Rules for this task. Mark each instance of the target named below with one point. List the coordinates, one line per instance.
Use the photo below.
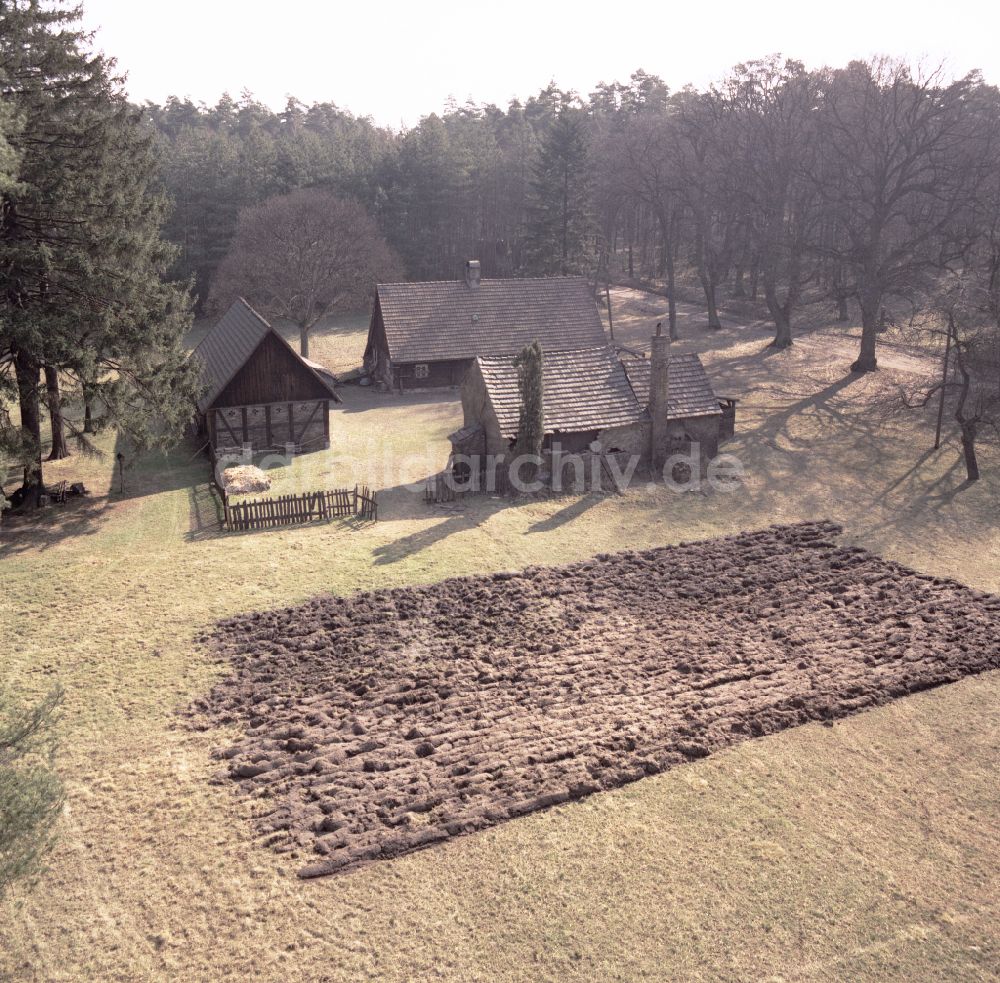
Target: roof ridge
(549, 351)
(489, 279)
(222, 355)
(253, 310)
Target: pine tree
(82, 293)
(559, 238)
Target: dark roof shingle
(689, 391)
(230, 343)
(436, 321)
(582, 390)
(596, 388)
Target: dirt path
(391, 720)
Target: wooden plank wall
(272, 426)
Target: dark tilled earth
(391, 720)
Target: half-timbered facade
(258, 391)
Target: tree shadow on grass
(154, 472)
(936, 494)
(51, 525)
(406, 503)
(577, 507)
(407, 546)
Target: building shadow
(206, 513)
(360, 399)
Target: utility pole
(944, 386)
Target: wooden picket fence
(366, 504)
(438, 488)
(288, 510)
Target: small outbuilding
(427, 335)
(258, 391)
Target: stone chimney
(659, 371)
(473, 274)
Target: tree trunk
(668, 263)
(968, 426)
(88, 410)
(26, 371)
(713, 311)
(780, 315)
(59, 448)
(969, 451)
(671, 295)
(304, 342)
(870, 307)
(840, 295)
(739, 290)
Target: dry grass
(863, 851)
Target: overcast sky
(399, 61)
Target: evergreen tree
(82, 294)
(559, 238)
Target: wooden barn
(258, 391)
(425, 335)
(633, 406)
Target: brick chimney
(659, 371)
(473, 274)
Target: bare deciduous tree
(773, 104)
(893, 172)
(966, 311)
(303, 256)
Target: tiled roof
(689, 392)
(426, 322)
(230, 343)
(584, 389)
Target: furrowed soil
(394, 719)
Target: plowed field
(391, 720)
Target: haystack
(245, 479)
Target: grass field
(862, 851)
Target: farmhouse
(259, 392)
(642, 408)
(428, 334)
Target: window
(421, 370)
